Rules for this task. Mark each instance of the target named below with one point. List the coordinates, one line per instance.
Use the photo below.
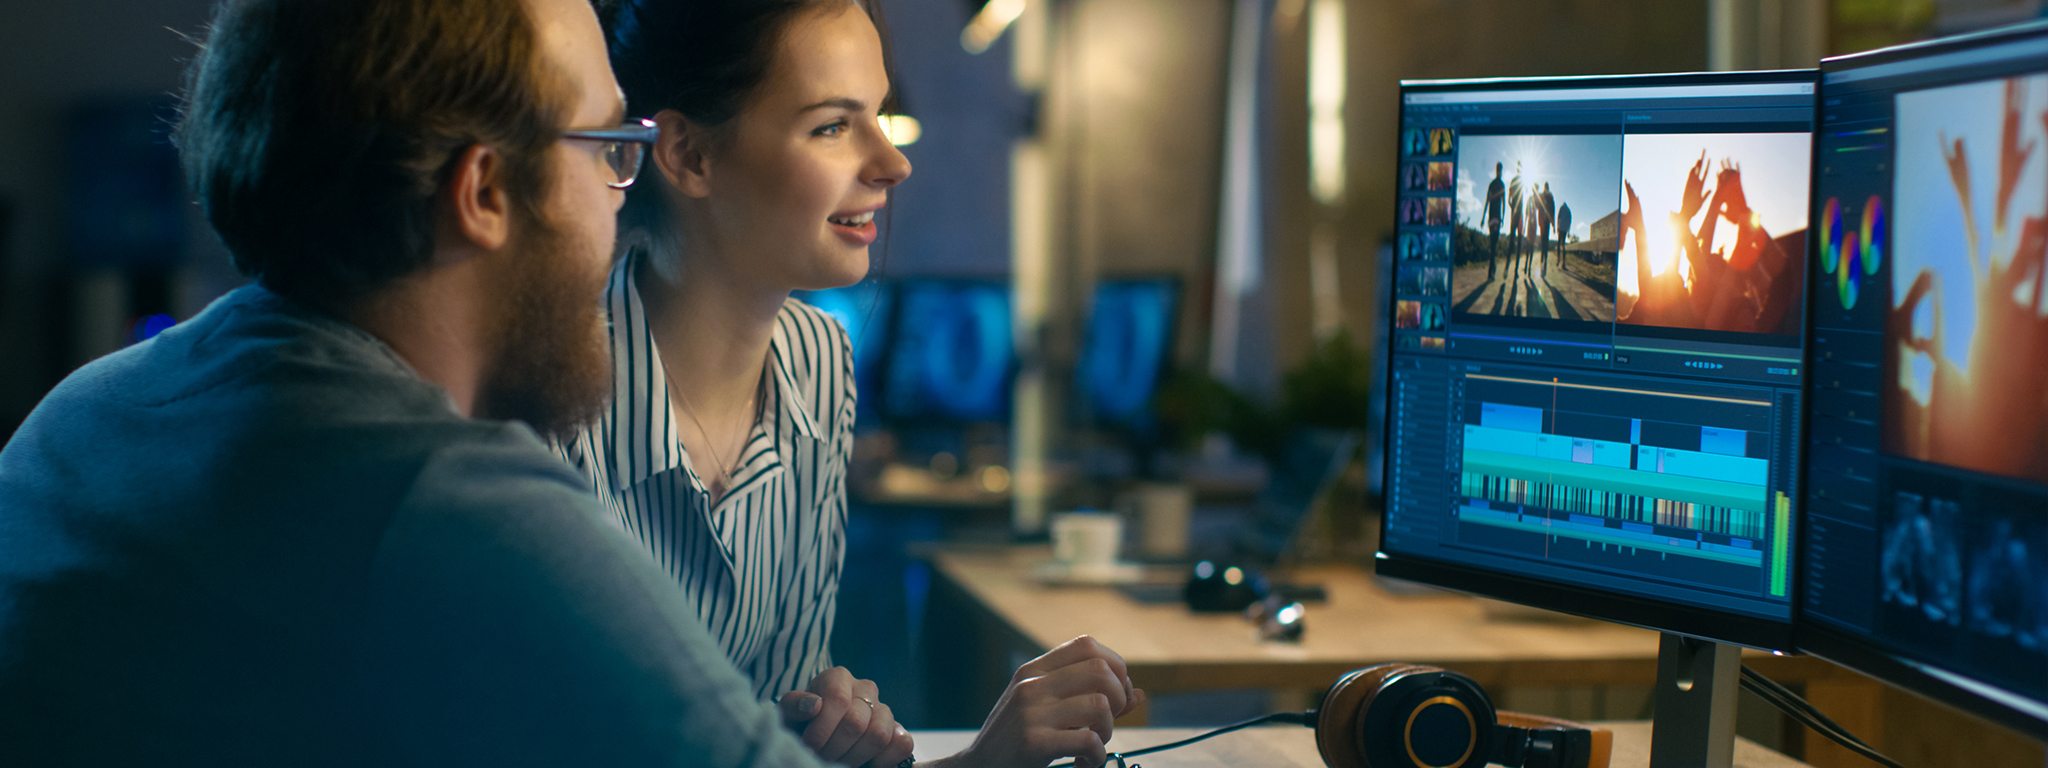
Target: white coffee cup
(1087, 542)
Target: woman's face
(801, 172)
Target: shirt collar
(793, 410)
(645, 440)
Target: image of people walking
(1548, 265)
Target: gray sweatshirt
(261, 538)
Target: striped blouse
(761, 567)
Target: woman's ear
(683, 153)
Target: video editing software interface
(1597, 323)
(1928, 484)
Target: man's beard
(553, 363)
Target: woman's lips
(857, 229)
(863, 234)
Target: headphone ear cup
(1339, 735)
(1402, 715)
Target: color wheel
(1852, 254)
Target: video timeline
(1573, 496)
(1601, 472)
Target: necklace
(723, 470)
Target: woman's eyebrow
(839, 102)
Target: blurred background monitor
(1126, 348)
(1309, 465)
(863, 310)
(1581, 418)
(124, 193)
(951, 358)
(1927, 475)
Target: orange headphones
(1415, 716)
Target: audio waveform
(1615, 505)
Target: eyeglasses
(624, 147)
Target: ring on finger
(867, 701)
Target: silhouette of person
(1440, 141)
(1529, 216)
(1564, 230)
(1546, 215)
(1496, 200)
(1515, 221)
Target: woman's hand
(1060, 705)
(843, 720)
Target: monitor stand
(1697, 683)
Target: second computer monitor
(1596, 370)
(1928, 471)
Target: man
(1515, 223)
(1546, 215)
(1564, 229)
(1529, 215)
(314, 524)
(1496, 198)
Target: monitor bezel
(1934, 47)
(1697, 622)
(1824, 640)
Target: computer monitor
(1126, 348)
(863, 310)
(952, 359)
(1926, 532)
(1595, 384)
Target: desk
(1171, 649)
(1295, 747)
(1007, 616)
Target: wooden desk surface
(1295, 747)
(1170, 648)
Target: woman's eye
(833, 128)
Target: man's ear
(683, 154)
(475, 206)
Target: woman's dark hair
(316, 134)
(702, 58)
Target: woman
(725, 449)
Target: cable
(1785, 701)
(1787, 695)
(1799, 709)
(1804, 717)
(1755, 682)
(1782, 696)
(1808, 719)
(1839, 738)
(1298, 718)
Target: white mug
(1087, 542)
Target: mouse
(1222, 588)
